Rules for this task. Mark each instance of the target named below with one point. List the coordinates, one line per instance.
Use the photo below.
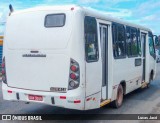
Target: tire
(158, 60)
(119, 100)
(149, 84)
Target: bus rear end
(37, 64)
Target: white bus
(74, 57)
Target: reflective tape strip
(105, 103)
(144, 84)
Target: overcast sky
(143, 12)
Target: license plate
(35, 97)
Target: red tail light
(4, 79)
(74, 68)
(74, 77)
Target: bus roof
(89, 11)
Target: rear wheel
(150, 80)
(157, 60)
(119, 100)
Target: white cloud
(113, 2)
(109, 7)
(147, 14)
(88, 1)
(104, 1)
(121, 13)
(3, 15)
(152, 18)
(147, 7)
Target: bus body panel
(28, 31)
(31, 61)
(49, 98)
(125, 70)
(36, 73)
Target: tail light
(74, 68)
(4, 79)
(74, 77)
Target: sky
(142, 12)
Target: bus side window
(151, 45)
(119, 44)
(132, 42)
(91, 40)
(128, 41)
(139, 43)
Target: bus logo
(34, 55)
(53, 89)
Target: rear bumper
(49, 98)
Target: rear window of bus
(55, 20)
